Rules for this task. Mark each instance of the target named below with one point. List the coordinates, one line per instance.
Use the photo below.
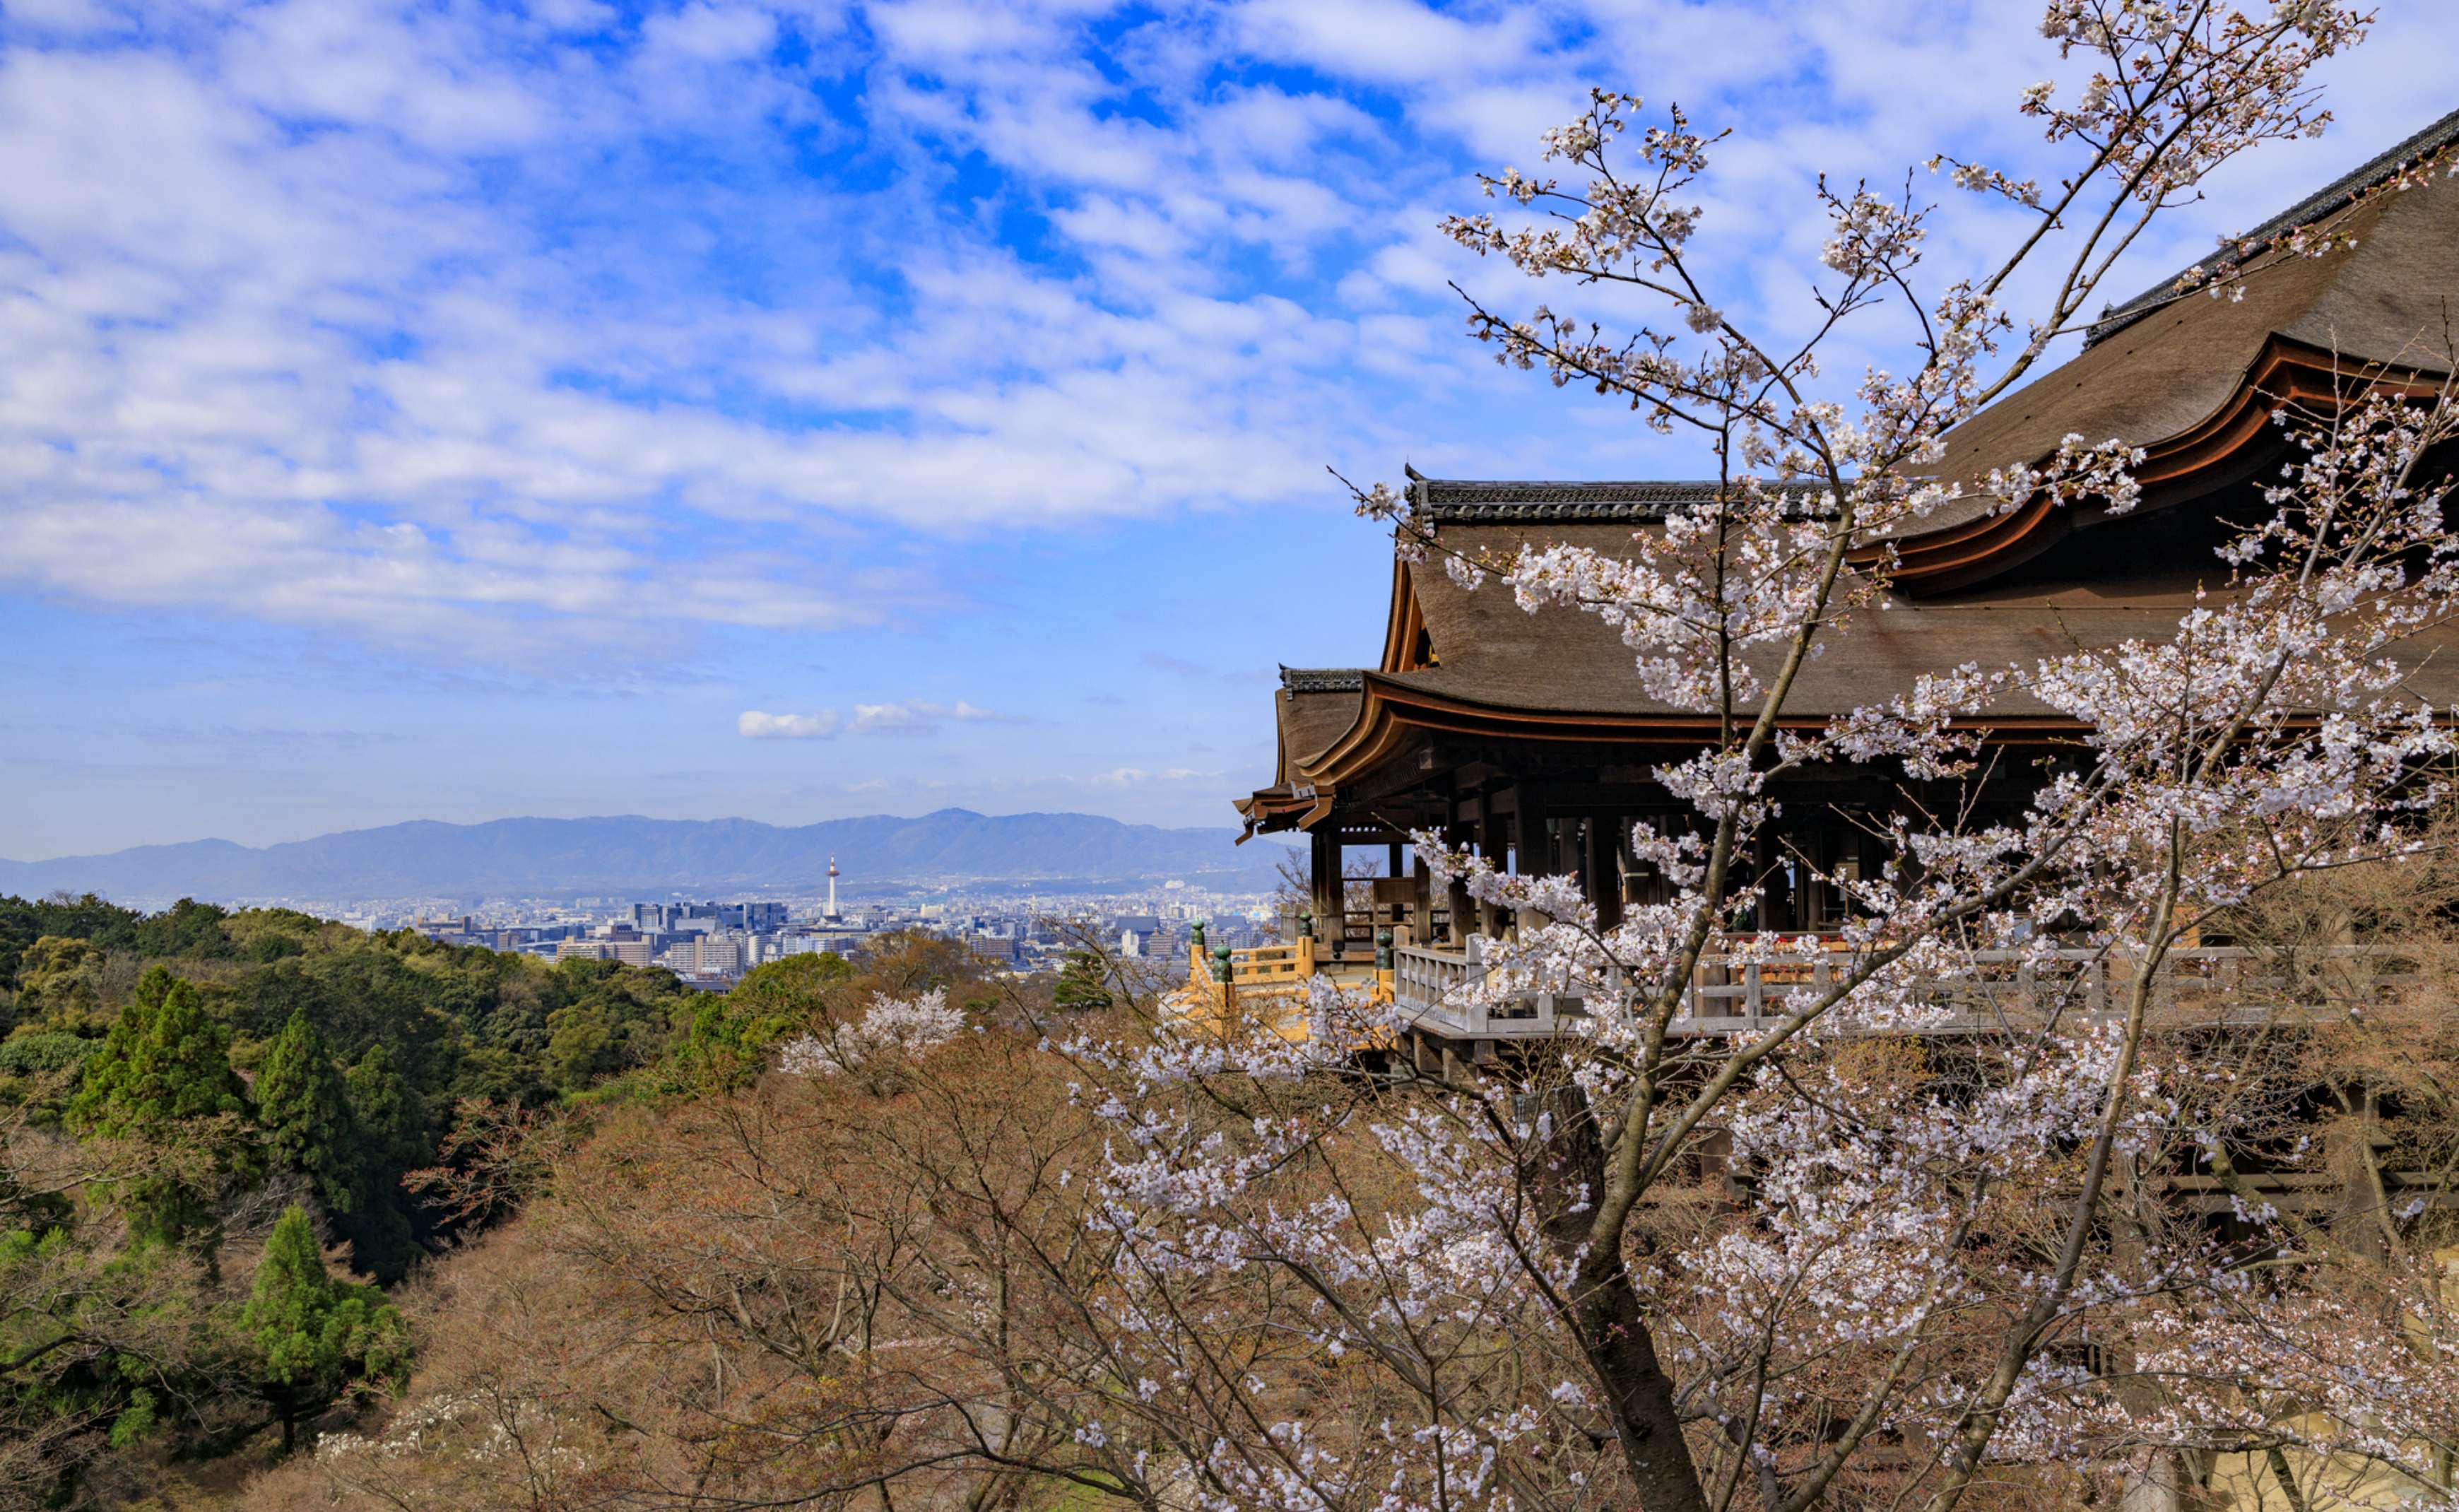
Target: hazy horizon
(582, 818)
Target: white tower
(832, 887)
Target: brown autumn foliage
(882, 1289)
(895, 1288)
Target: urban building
(718, 954)
(1136, 933)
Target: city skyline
(796, 413)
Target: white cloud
(1390, 41)
(710, 34)
(454, 324)
(63, 15)
(1139, 777)
(754, 724)
(914, 717)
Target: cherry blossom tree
(889, 1028)
(1924, 1275)
(1911, 1239)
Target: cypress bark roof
(2153, 369)
(1562, 660)
(2164, 364)
(2336, 195)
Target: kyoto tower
(833, 887)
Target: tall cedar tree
(314, 1335)
(163, 1079)
(1080, 988)
(307, 1117)
(391, 1138)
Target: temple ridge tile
(1460, 501)
(1455, 501)
(1323, 679)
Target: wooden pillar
(1601, 878)
(1324, 877)
(1456, 903)
(1530, 834)
(1391, 910)
(1767, 855)
(1496, 842)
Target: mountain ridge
(531, 856)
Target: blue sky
(444, 411)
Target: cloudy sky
(803, 409)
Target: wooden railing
(1441, 983)
(1264, 984)
(1436, 989)
(1991, 989)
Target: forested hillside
(199, 1109)
(407, 1030)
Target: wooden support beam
(1456, 901)
(1601, 871)
(1494, 839)
(1529, 836)
(1324, 880)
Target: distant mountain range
(647, 857)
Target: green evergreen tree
(391, 1135)
(312, 1335)
(1081, 988)
(163, 1079)
(393, 1127)
(306, 1118)
(164, 1062)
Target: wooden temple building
(1528, 735)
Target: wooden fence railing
(1987, 989)
(1262, 983)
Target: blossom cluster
(891, 1027)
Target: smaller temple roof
(1492, 653)
(1314, 707)
(1317, 706)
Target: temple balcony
(1990, 990)
(1438, 990)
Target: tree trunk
(1638, 1392)
(1565, 1175)
(2154, 1482)
(289, 1430)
